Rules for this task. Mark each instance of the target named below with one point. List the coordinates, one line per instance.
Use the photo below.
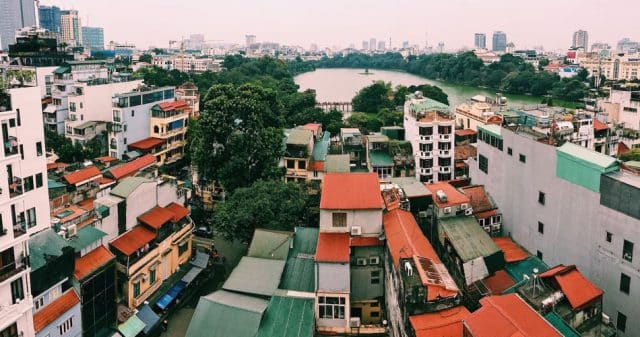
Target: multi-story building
(188, 92)
(131, 116)
(480, 110)
(49, 17)
(626, 45)
(38, 47)
(15, 14)
(499, 42)
(24, 206)
(372, 44)
(622, 107)
(617, 67)
(570, 205)
(169, 123)
(430, 129)
(93, 38)
(580, 40)
(70, 28)
(480, 41)
(297, 155)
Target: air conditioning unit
(464, 206)
(468, 211)
(422, 214)
(354, 322)
(447, 210)
(72, 231)
(63, 234)
(606, 319)
(361, 261)
(374, 260)
(356, 231)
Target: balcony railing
(11, 146)
(10, 270)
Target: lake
(341, 84)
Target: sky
(330, 23)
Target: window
(539, 254)
(541, 198)
(339, 219)
(182, 248)
(426, 131)
(133, 113)
(374, 259)
(17, 293)
(510, 151)
(152, 276)
(72, 106)
(483, 164)
(38, 180)
(523, 158)
(31, 217)
(39, 149)
(66, 326)
(39, 303)
(291, 164)
(625, 283)
(136, 289)
(375, 277)
(609, 237)
(10, 331)
(80, 105)
(627, 251)
(18, 117)
(302, 165)
(621, 323)
(540, 227)
(28, 183)
(125, 141)
(331, 307)
(375, 314)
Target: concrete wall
(361, 286)
(370, 220)
(575, 224)
(333, 277)
(76, 324)
(143, 199)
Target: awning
(61, 70)
(150, 318)
(132, 154)
(132, 327)
(50, 108)
(191, 275)
(171, 295)
(201, 260)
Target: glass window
(28, 183)
(540, 227)
(31, 217)
(609, 237)
(627, 251)
(625, 283)
(10, 331)
(523, 158)
(39, 149)
(182, 248)
(168, 94)
(339, 219)
(483, 164)
(152, 276)
(509, 151)
(136, 289)
(302, 165)
(621, 323)
(135, 100)
(17, 292)
(539, 254)
(291, 164)
(331, 307)
(375, 277)
(541, 198)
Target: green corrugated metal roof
(467, 237)
(338, 163)
(517, 270)
(224, 314)
(321, 147)
(255, 276)
(269, 244)
(132, 327)
(376, 138)
(288, 317)
(299, 272)
(560, 325)
(495, 130)
(127, 186)
(299, 137)
(61, 70)
(380, 158)
(85, 237)
(428, 104)
(598, 159)
(43, 244)
(55, 184)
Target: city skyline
(343, 24)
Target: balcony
(444, 137)
(48, 120)
(11, 269)
(15, 187)
(426, 138)
(5, 101)
(444, 169)
(11, 146)
(425, 171)
(425, 154)
(444, 153)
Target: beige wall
(370, 220)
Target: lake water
(341, 84)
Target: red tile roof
(351, 191)
(512, 252)
(175, 105)
(105, 181)
(578, 290)
(82, 175)
(406, 241)
(156, 217)
(146, 144)
(133, 240)
(86, 204)
(485, 214)
(106, 159)
(313, 127)
(132, 167)
(178, 211)
(454, 197)
(507, 316)
(444, 323)
(55, 166)
(466, 132)
(499, 282)
(360, 241)
(333, 247)
(316, 166)
(462, 152)
(599, 126)
(55, 309)
(622, 148)
(478, 198)
(95, 259)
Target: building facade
(499, 42)
(580, 40)
(15, 14)
(70, 28)
(480, 41)
(93, 38)
(49, 17)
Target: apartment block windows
(291, 164)
(426, 131)
(339, 219)
(625, 283)
(541, 197)
(331, 307)
(609, 237)
(152, 276)
(66, 326)
(302, 165)
(627, 251)
(72, 106)
(375, 277)
(10, 331)
(38, 180)
(39, 151)
(540, 227)
(483, 163)
(136, 289)
(31, 217)
(621, 322)
(523, 158)
(539, 254)
(426, 147)
(17, 292)
(510, 151)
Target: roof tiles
(512, 252)
(454, 197)
(351, 191)
(54, 310)
(132, 167)
(82, 175)
(133, 240)
(444, 323)
(146, 144)
(156, 217)
(95, 259)
(179, 211)
(580, 292)
(333, 247)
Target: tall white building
(70, 28)
(24, 205)
(581, 40)
(430, 129)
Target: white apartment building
(569, 205)
(622, 107)
(626, 67)
(24, 205)
(430, 129)
(480, 110)
(187, 63)
(131, 116)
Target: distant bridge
(345, 107)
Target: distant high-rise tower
(581, 40)
(49, 17)
(440, 47)
(405, 44)
(15, 14)
(499, 41)
(372, 44)
(381, 46)
(93, 38)
(480, 41)
(250, 39)
(365, 45)
(70, 28)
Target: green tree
(390, 117)
(238, 137)
(365, 122)
(373, 98)
(146, 58)
(633, 154)
(272, 205)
